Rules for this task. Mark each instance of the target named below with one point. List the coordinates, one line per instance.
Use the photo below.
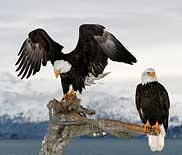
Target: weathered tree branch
(68, 119)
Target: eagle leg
(156, 127)
(147, 126)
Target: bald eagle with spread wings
(77, 68)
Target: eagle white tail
(156, 143)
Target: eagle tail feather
(156, 143)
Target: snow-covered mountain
(25, 101)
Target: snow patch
(114, 99)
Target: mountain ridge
(24, 102)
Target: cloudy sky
(150, 29)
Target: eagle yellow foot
(147, 126)
(68, 95)
(64, 97)
(72, 93)
(156, 127)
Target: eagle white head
(61, 66)
(148, 76)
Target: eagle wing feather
(97, 45)
(35, 51)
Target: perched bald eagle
(153, 104)
(88, 60)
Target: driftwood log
(68, 119)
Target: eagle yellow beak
(57, 73)
(152, 74)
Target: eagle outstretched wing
(96, 45)
(36, 50)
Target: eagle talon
(65, 97)
(71, 93)
(156, 127)
(68, 95)
(147, 126)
